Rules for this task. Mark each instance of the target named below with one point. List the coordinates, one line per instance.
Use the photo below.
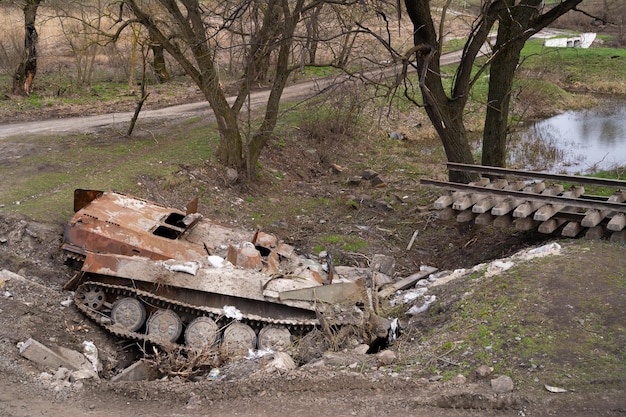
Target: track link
(103, 319)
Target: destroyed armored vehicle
(164, 276)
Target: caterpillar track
(101, 314)
(157, 275)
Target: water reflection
(574, 142)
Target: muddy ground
(580, 290)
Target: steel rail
(481, 169)
(560, 200)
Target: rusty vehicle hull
(111, 222)
(156, 274)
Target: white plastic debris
(394, 330)
(256, 354)
(91, 352)
(232, 312)
(216, 261)
(549, 249)
(502, 265)
(436, 275)
(67, 302)
(189, 267)
(497, 267)
(428, 300)
(449, 276)
(413, 294)
(555, 389)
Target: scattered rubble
(68, 364)
(484, 371)
(413, 290)
(54, 357)
(502, 384)
(280, 363)
(386, 357)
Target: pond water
(575, 142)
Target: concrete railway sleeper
(540, 205)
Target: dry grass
(184, 363)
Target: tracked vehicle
(155, 274)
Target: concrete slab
(54, 357)
(139, 371)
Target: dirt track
(90, 124)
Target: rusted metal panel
(335, 293)
(84, 197)
(109, 222)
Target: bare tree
(83, 25)
(517, 21)
(158, 63)
(191, 32)
(446, 112)
(312, 28)
(25, 73)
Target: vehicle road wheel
(238, 338)
(273, 337)
(128, 313)
(201, 333)
(92, 297)
(165, 324)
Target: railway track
(526, 200)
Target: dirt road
(91, 124)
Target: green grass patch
(613, 174)
(348, 243)
(314, 71)
(594, 69)
(42, 184)
(549, 330)
(452, 45)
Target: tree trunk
(446, 114)
(281, 75)
(447, 119)
(501, 75)
(312, 29)
(518, 21)
(25, 73)
(158, 64)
